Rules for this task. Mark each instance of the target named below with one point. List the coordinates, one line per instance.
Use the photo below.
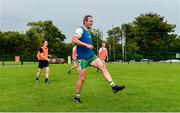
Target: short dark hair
(86, 18)
(44, 41)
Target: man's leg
(79, 84)
(103, 63)
(99, 64)
(72, 67)
(38, 74)
(78, 68)
(47, 74)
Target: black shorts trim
(43, 64)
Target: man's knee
(82, 78)
(40, 70)
(101, 65)
(83, 75)
(47, 70)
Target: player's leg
(46, 65)
(47, 74)
(40, 67)
(38, 75)
(103, 63)
(78, 67)
(100, 65)
(80, 82)
(72, 67)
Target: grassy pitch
(149, 87)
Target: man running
(103, 54)
(82, 38)
(75, 61)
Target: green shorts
(86, 62)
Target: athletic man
(103, 54)
(43, 61)
(82, 38)
(75, 61)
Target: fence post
(170, 61)
(22, 63)
(22, 60)
(3, 63)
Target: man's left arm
(107, 55)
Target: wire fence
(8, 60)
(11, 60)
(172, 57)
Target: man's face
(89, 23)
(45, 43)
(104, 45)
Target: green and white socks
(112, 84)
(77, 95)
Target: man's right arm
(76, 41)
(99, 52)
(107, 55)
(77, 36)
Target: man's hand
(107, 59)
(89, 46)
(76, 41)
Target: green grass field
(149, 87)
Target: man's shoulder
(79, 29)
(100, 48)
(103, 48)
(40, 50)
(74, 48)
(82, 28)
(78, 32)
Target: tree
(152, 33)
(114, 41)
(2, 43)
(14, 43)
(48, 31)
(148, 34)
(175, 45)
(34, 41)
(97, 39)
